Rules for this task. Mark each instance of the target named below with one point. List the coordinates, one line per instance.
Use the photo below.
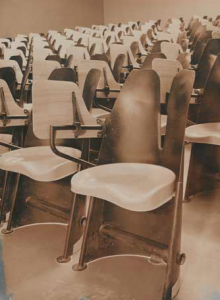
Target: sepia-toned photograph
(109, 150)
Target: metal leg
(75, 227)
(10, 221)
(2, 215)
(82, 265)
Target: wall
(24, 16)
(116, 11)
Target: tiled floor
(33, 274)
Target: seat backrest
(54, 104)
(43, 69)
(54, 57)
(63, 74)
(132, 129)
(78, 52)
(13, 64)
(200, 46)
(118, 67)
(167, 70)
(209, 110)
(40, 54)
(206, 62)
(10, 106)
(89, 90)
(171, 50)
(177, 111)
(116, 49)
(147, 64)
(157, 46)
(8, 75)
(18, 59)
(106, 78)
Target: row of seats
(104, 109)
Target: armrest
(77, 128)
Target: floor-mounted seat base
(29, 257)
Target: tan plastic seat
(133, 186)
(208, 133)
(40, 163)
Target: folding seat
(204, 165)
(37, 169)
(12, 52)
(18, 59)
(107, 87)
(137, 186)
(167, 70)
(54, 57)
(40, 54)
(97, 46)
(63, 74)
(13, 64)
(200, 46)
(171, 50)
(43, 69)
(147, 64)
(209, 55)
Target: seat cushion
(6, 138)
(40, 163)
(208, 133)
(133, 186)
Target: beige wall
(116, 11)
(24, 16)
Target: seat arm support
(53, 132)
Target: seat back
(8, 75)
(132, 133)
(9, 107)
(43, 69)
(13, 64)
(167, 70)
(78, 52)
(200, 46)
(209, 110)
(177, 111)
(89, 90)
(171, 50)
(18, 59)
(63, 74)
(118, 67)
(207, 60)
(116, 49)
(54, 57)
(106, 79)
(147, 64)
(54, 104)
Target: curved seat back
(43, 69)
(206, 62)
(167, 70)
(54, 103)
(9, 106)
